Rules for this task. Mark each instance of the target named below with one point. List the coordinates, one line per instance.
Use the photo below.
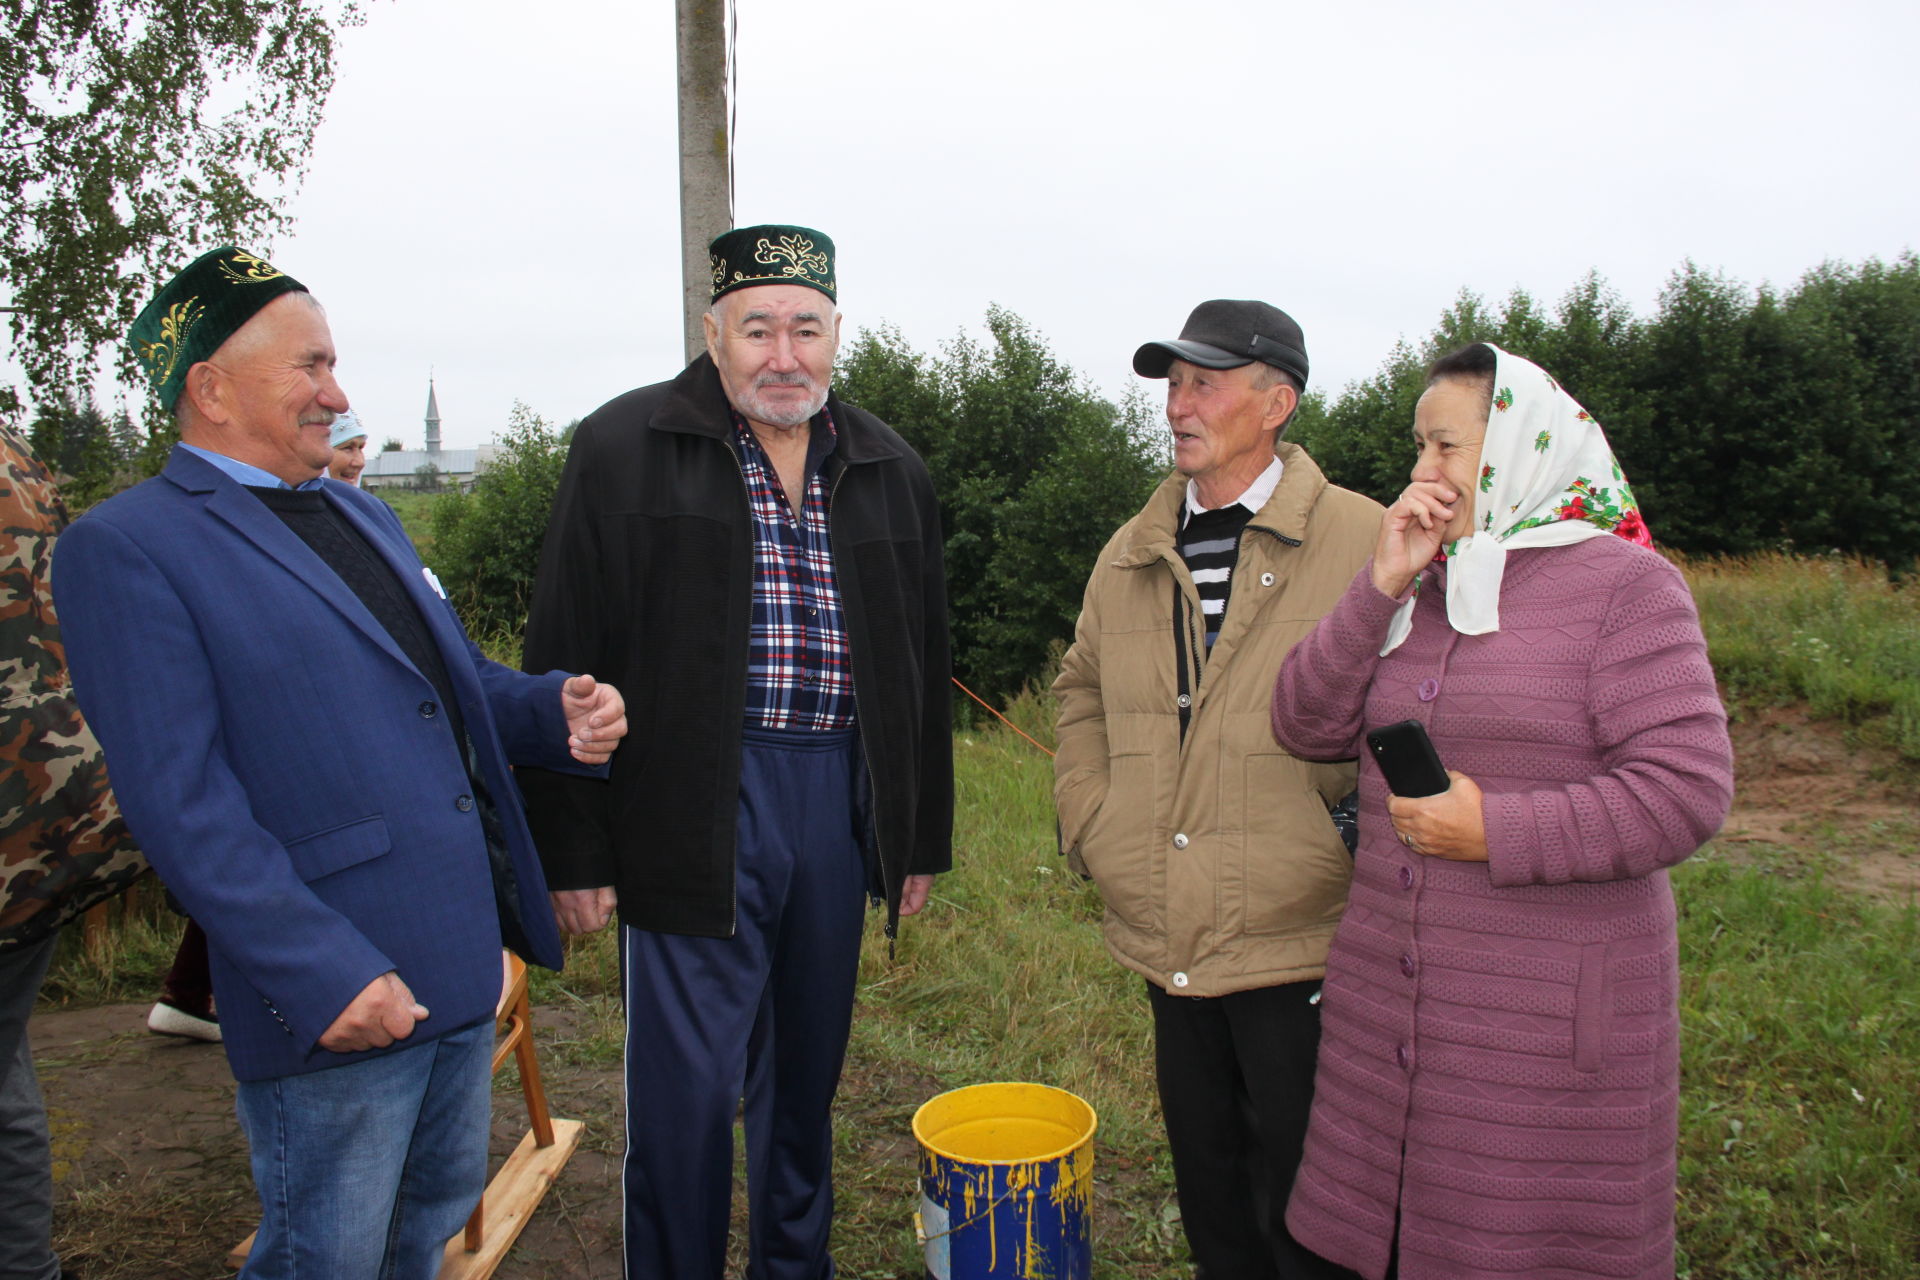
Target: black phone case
(1407, 760)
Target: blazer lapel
(228, 501)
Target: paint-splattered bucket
(1006, 1183)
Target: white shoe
(165, 1020)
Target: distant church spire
(433, 420)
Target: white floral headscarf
(1547, 479)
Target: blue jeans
(26, 1162)
(366, 1170)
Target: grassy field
(1800, 1115)
(1800, 1124)
(414, 510)
(1800, 1142)
(1831, 632)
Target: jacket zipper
(1186, 658)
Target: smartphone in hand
(1407, 760)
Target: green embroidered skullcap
(198, 310)
(771, 254)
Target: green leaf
(112, 175)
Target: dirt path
(1805, 798)
(151, 1170)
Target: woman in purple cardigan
(1499, 1065)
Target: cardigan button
(1406, 965)
(1429, 689)
(1403, 1056)
(1406, 877)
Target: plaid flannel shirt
(798, 672)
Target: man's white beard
(755, 406)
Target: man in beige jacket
(1222, 872)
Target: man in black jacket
(758, 566)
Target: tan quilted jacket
(1219, 867)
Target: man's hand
(383, 1012)
(596, 718)
(1449, 825)
(913, 894)
(583, 910)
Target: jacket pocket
(1117, 844)
(1295, 869)
(1076, 802)
(337, 848)
(1592, 1009)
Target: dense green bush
(486, 543)
(1748, 420)
(92, 455)
(1034, 471)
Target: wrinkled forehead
(293, 326)
(1454, 408)
(777, 304)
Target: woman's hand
(1410, 535)
(1448, 825)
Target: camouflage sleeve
(63, 846)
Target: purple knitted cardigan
(1499, 1061)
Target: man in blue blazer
(318, 762)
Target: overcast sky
(493, 196)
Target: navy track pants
(764, 1016)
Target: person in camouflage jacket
(63, 846)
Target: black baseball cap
(1225, 334)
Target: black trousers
(1236, 1080)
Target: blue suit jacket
(286, 768)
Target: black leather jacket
(646, 582)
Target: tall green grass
(1833, 632)
(125, 961)
(415, 511)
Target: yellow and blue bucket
(1006, 1183)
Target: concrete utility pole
(706, 147)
